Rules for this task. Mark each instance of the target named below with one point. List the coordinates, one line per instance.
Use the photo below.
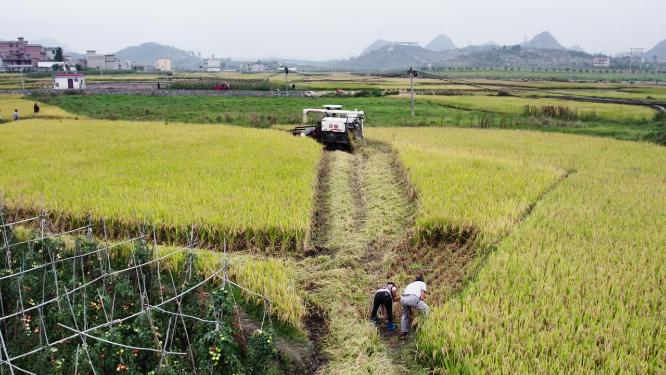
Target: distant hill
(441, 43)
(394, 57)
(513, 57)
(576, 48)
(75, 55)
(545, 40)
(146, 53)
(659, 50)
(49, 42)
(377, 44)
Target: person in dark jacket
(385, 296)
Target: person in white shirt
(412, 297)
(385, 297)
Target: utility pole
(286, 79)
(412, 74)
(22, 81)
(639, 52)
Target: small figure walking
(384, 297)
(35, 109)
(412, 297)
(15, 115)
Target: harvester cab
(335, 127)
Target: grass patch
(251, 111)
(606, 120)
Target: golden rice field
(8, 103)
(516, 105)
(578, 286)
(271, 277)
(251, 187)
(656, 93)
(468, 190)
(571, 229)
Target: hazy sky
(316, 29)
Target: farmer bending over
(385, 297)
(412, 297)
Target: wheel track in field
(368, 211)
(363, 212)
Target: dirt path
(364, 212)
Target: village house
(68, 81)
(99, 61)
(254, 67)
(45, 66)
(213, 65)
(601, 62)
(50, 53)
(163, 64)
(18, 55)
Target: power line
(35, 268)
(146, 307)
(68, 293)
(22, 221)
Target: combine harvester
(336, 127)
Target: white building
(51, 53)
(601, 62)
(213, 65)
(254, 67)
(102, 62)
(48, 65)
(69, 81)
(163, 64)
